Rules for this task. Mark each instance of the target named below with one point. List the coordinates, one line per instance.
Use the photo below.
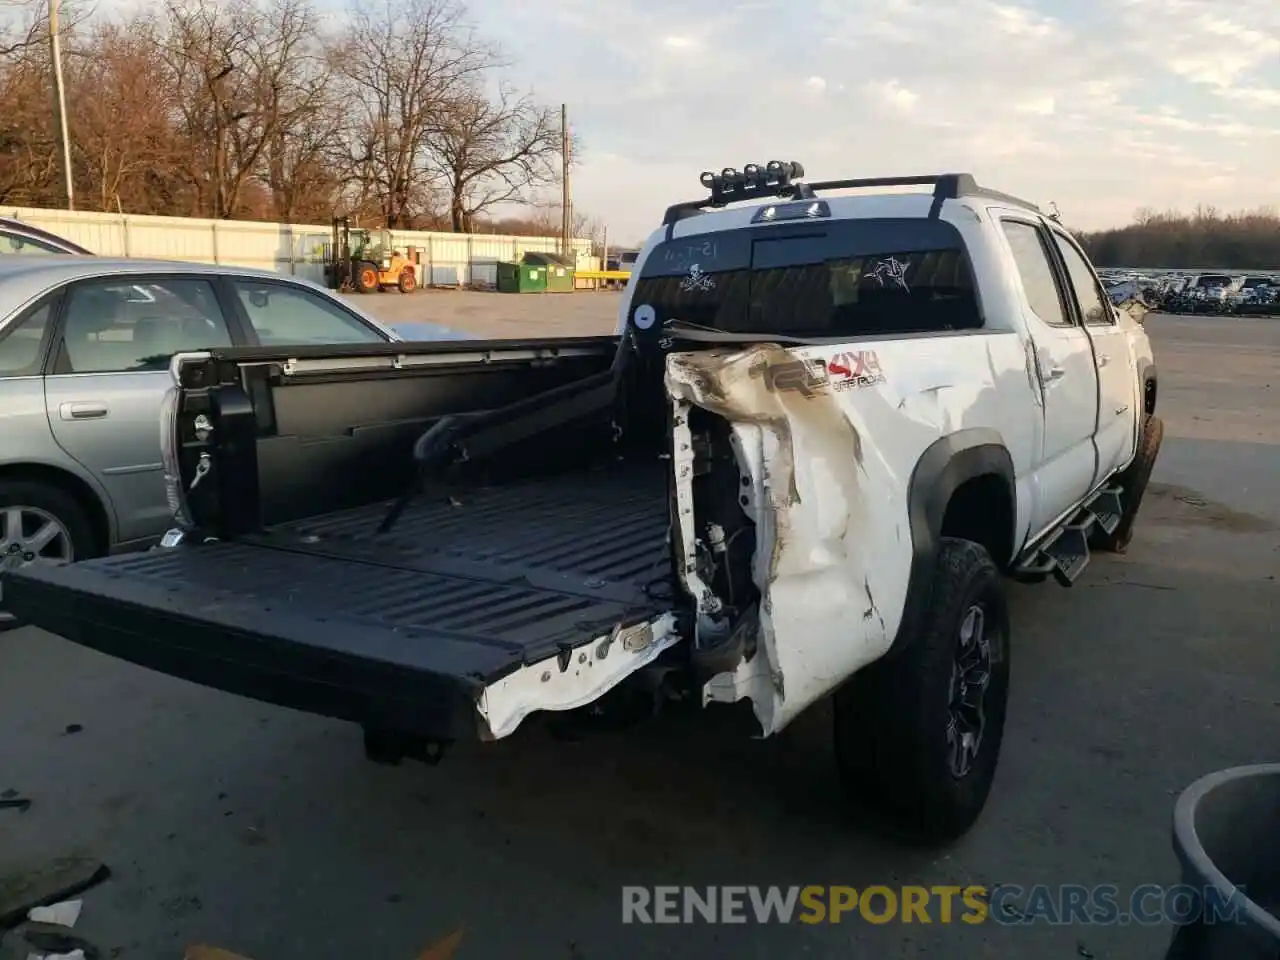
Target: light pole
(60, 97)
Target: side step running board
(1065, 552)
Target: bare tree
(29, 172)
(243, 71)
(24, 24)
(404, 63)
(120, 110)
(240, 108)
(492, 150)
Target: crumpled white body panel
(827, 438)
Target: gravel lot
(497, 314)
(266, 832)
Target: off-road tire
(892, 718)
(1133, 481)
(61, 505)
(408, 281)
(361, 277)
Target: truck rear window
(821, 279)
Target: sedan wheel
(29, 535)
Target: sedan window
(116, 326)
(284, 315)
(17, 244)
(20, 343)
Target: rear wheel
(1133, 481)
(918, 733)
(366, 278)
(408, 281)
(40, 524)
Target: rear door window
(822, 279)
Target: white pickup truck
(829, 429)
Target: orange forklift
(365, 261)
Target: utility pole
(60, 98)
(566, 197)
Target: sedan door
(109, 377)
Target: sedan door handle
(86, 410)
(1056, 373)
(1103, 359)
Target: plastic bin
(1226, 833)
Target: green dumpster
(521, 278)
(508, 277)
(558, 270)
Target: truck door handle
(1103, 359)
(87, 410)
(1121, 411)
(1055, 373)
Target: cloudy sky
(1102, 106)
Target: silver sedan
(85, 344)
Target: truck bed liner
(400, 629)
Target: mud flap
(832, 554)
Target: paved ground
(498, 314)
(265, 831)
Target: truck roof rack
(782, 180)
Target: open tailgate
(536, 607)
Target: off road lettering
(858, 368)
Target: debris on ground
(66, 913)
(46, 884)
(46, 935)
(54, 940)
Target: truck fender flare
(945, 464)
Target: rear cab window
(819, 279)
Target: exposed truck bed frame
(462, 591)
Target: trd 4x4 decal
(859, 368)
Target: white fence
(447, 259)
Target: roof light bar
(752, 181)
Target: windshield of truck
(813, 279)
